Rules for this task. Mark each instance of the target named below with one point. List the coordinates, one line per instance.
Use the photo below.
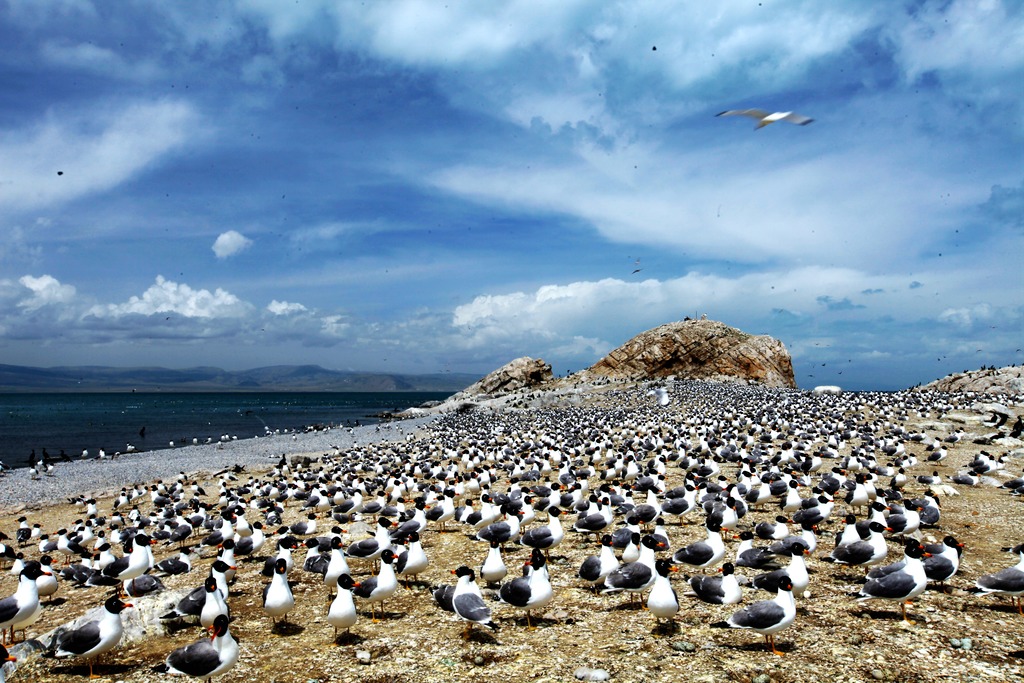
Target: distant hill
(15, 378)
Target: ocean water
(74, 422)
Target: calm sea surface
(74, 422)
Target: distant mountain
(15, 378)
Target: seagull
(207, 657)
(95, 637)
(1009, 581)
(766, 617)
(764, 118)
(468, 603)
(342, 612)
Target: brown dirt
(834, 637)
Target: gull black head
(210, 584)
(281, 566)
(387, 557)
(664, 566)
(465, 571)
(652, 543)
(115, 606)
(346, 582)
(33, 571)
(220, 626)
(915, 550)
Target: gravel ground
(954, 635)
(18, 490)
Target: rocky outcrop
(1008, 380)
(522, 373)
(699, 349)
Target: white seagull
(764, 117)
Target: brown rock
(699, 349)
(522, 373)
(1008, 380)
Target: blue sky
(444, 186)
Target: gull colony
(740, 497)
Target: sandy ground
(834, 638)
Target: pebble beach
(93, 477)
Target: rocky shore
(96, 478)
(562, 438)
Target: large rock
(699, 349)
(522, 373)
(1008, 380)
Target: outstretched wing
(752, 113)
(798, 119)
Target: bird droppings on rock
(587, 674)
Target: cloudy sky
(443, 186)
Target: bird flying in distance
(764, 117)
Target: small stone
(479, 660)
(854, 640)
(761, 678)
(954, 642)
(683, 646)
(966, 643)
(363, 656)
(877, 674)
(585, 674)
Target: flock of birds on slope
(535, 478)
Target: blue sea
(74, 422)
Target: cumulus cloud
(165, 296)
(45, 290)
(965, 317)
(285, 308)
(230, 243)
(553, 314)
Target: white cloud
(285, 308)
(91, 57)
(754, 211)
(45, 290)
(966, 317)
(230, 243)
(335, 326)
(68, 157)
(980, 39)
(165, 296)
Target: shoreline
(499, 436)
(93, 477)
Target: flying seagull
(764, 118)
